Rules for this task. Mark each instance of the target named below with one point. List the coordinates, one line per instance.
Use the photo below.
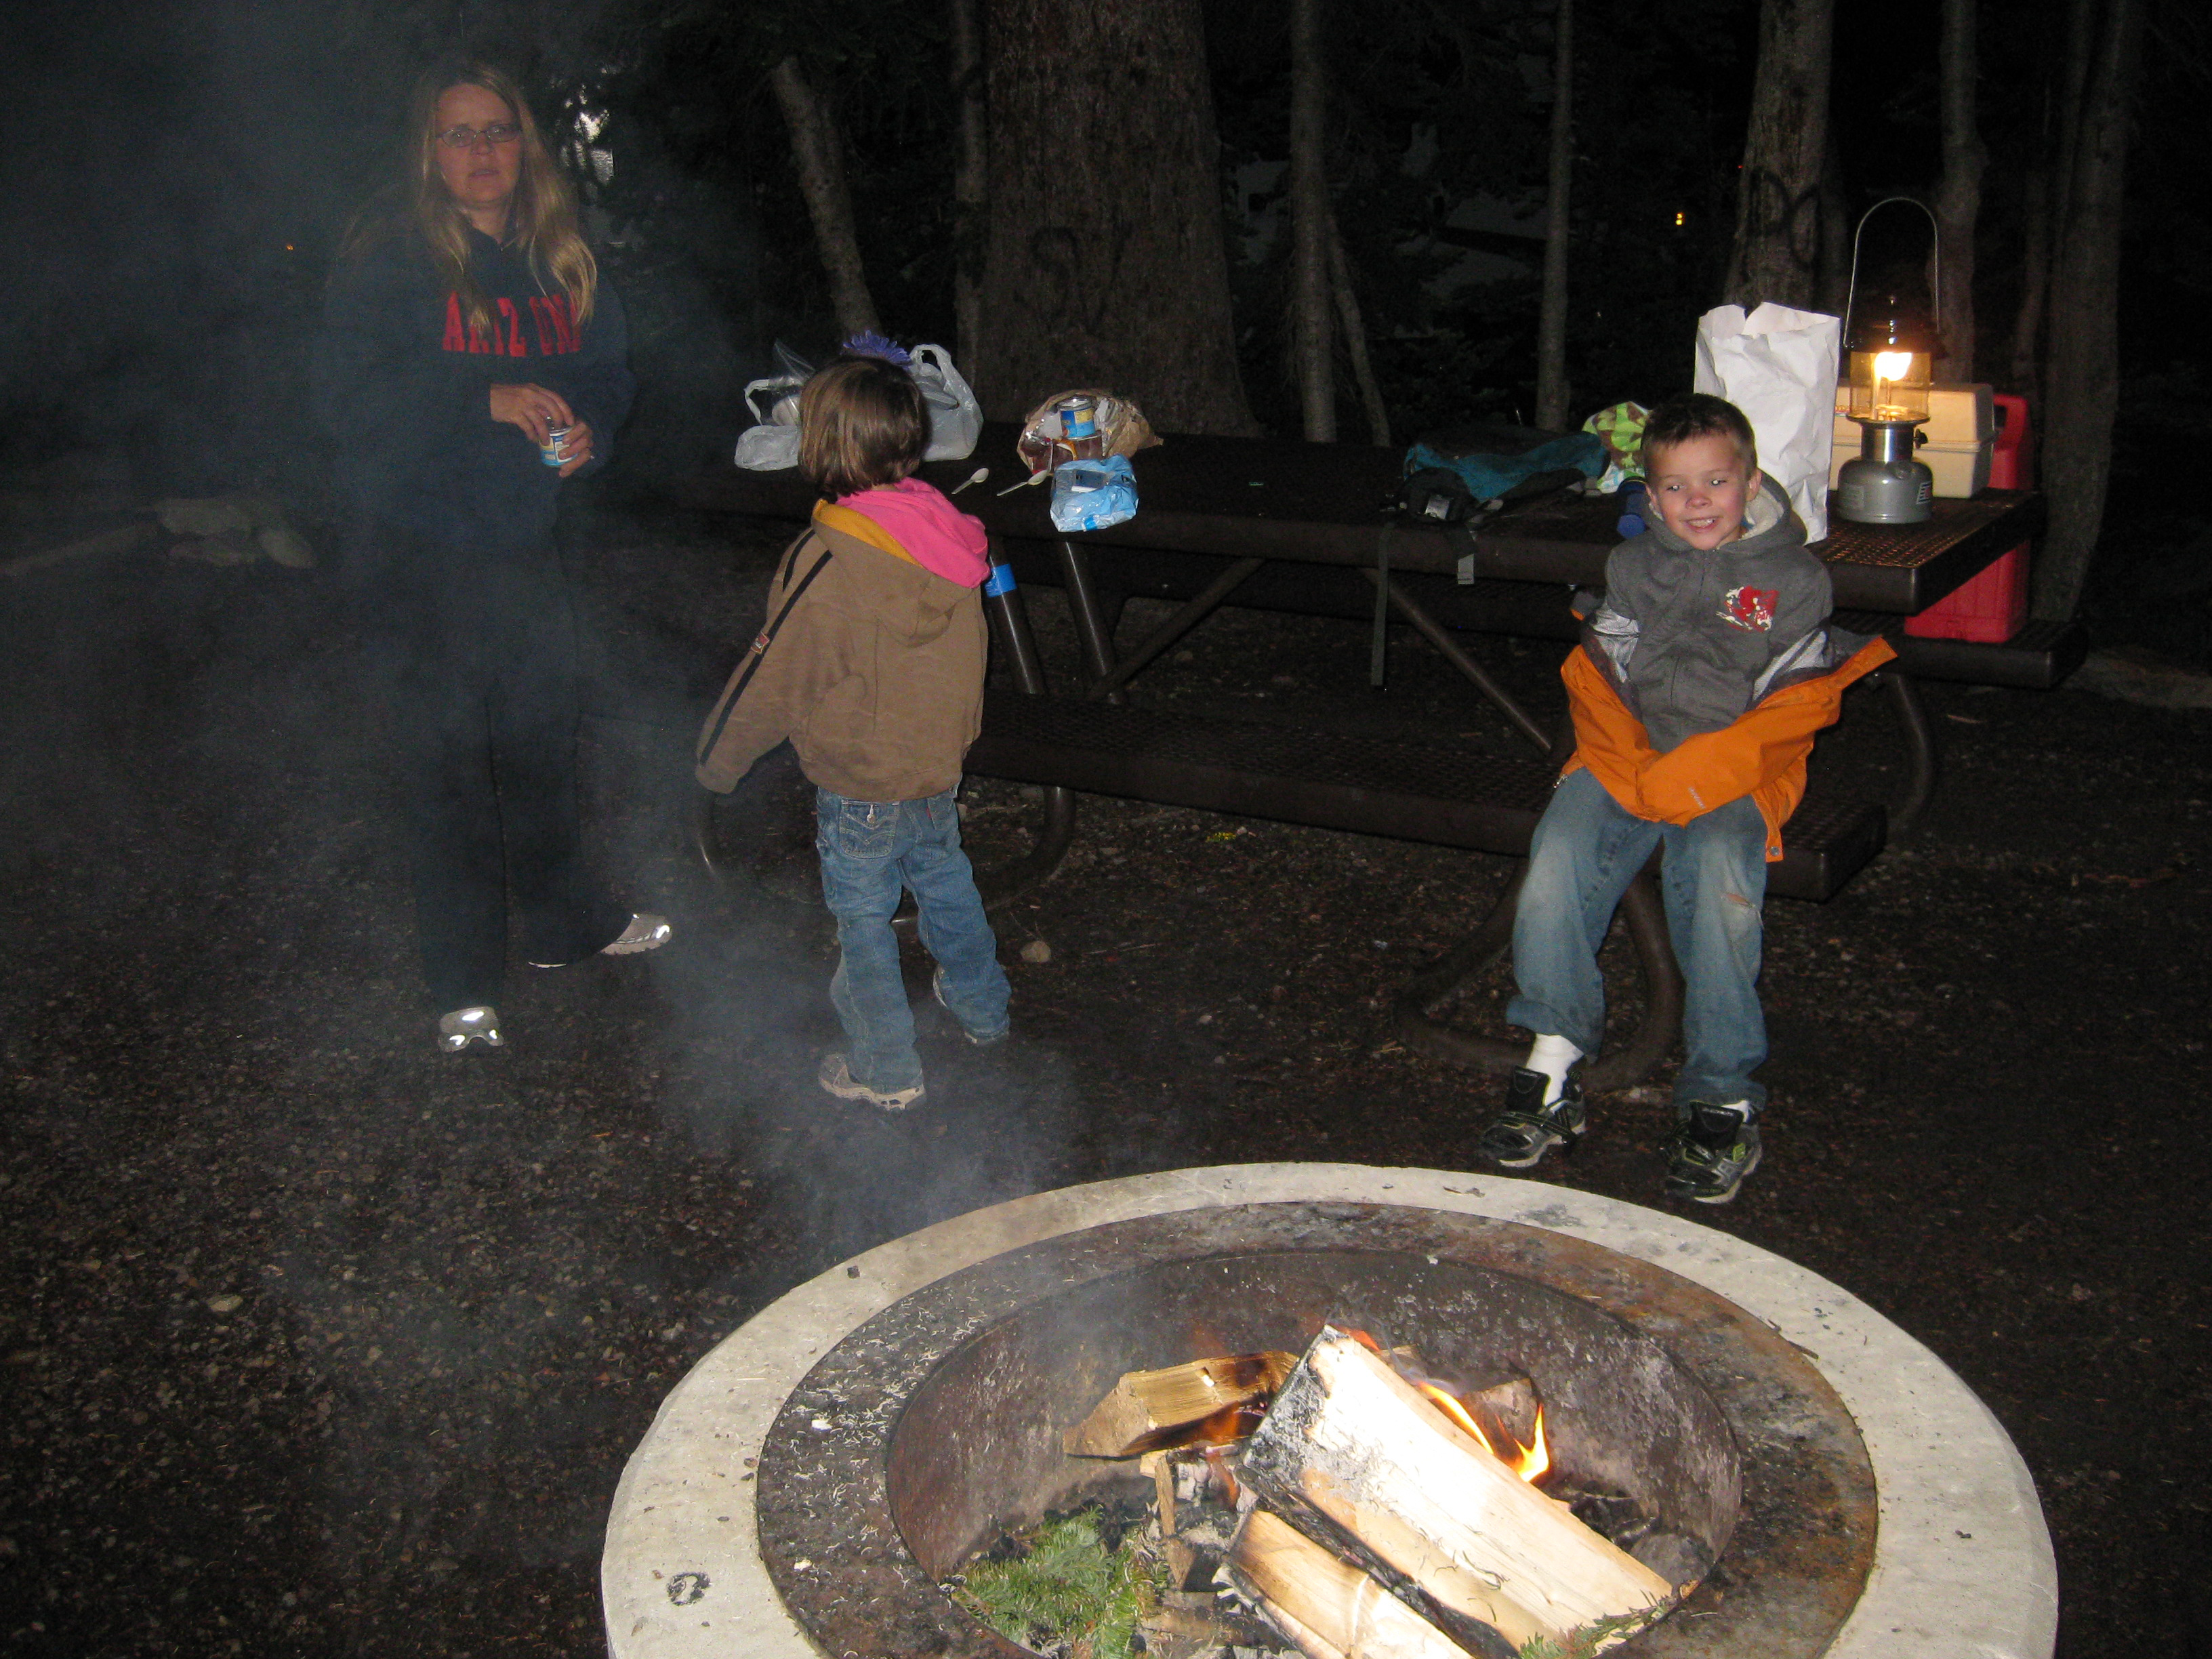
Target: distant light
(1677, 220)
(288, 246)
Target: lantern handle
(1935, 239)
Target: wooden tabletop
(1328, 504)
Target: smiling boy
(1704, 671)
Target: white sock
(1552, 1056)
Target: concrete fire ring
(1963, 1564)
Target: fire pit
(896, 1414)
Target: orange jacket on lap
(1760, 754)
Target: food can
(549, 451)
(1078, 427)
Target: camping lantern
(1893, 352)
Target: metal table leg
(1193, 612)
(1091, 630)
(1457, 971)
(1456, 655)
(1414, 1008)
(1922, 755)
(1003, 883)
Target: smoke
(463, 1287)
(745, 1013)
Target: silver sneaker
(646, 931)
(836, 1076)
(476, 1025)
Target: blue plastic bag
(1093, 495)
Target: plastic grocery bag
(1093, 495)
(956, 421)
(767, 448)
(772, 444)
(1779, 367)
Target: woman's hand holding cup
(575, 447)
(533, 408)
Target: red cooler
(1990, 609)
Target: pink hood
(937, 535)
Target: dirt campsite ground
(318, 1342)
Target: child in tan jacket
(871, 663)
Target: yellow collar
(860, 527)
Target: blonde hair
(862, 422)
(542, 216)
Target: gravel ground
(320, 1342)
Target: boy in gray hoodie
(1706, 665)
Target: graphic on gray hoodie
(1695, 637)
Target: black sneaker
(1713, 1149)
(1518, 1137)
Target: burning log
(1330, 1609)
(1206, 1401)
(1353, 1448)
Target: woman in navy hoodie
(469, 359)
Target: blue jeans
(870, 850)
(1586, 849)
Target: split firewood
(1207, 1400)
(1161, 1467)
(1409, 1490)
(1328, 1609)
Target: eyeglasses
(498, 133)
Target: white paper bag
(1779, 367)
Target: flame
(1892, 365)
(1535, 1458)
(1230, 1492)
(1530, 1461)
(1230, 1423)
(1451, 1408)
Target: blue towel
(1489, 477)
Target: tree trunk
(2046, 217)
(1106, 264)
(2082, 375)
(1552, 316)
(2034, 285)
(1832, 292)
(969, 182)
(1777, 210)
(816, 149)
(1355, 338)
(1311, 347)
(1959, 191)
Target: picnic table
(1311, 527)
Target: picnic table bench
(1307, 528)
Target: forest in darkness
(170, 255)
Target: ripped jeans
(1586, 849)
